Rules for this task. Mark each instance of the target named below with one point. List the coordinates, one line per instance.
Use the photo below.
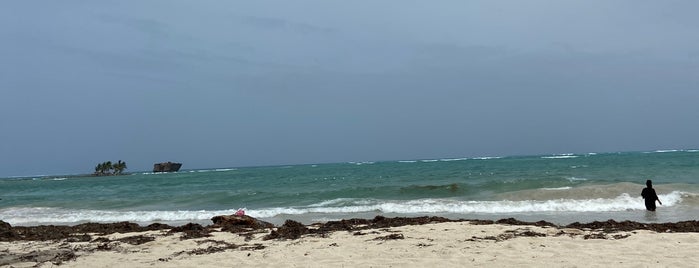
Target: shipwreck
(167, 167)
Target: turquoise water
(557, 188)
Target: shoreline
(356, 242)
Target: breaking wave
(560, 156)
(623, 202)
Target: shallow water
(557, 188)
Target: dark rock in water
(290, 230)
(167, 167)
(239, 223)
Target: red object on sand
(240, 212)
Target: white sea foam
(43, 215)
(212, 170)
(573, 179)
(333, 202)
(666, 151)
(623, 202)
(560, 156)
(487, 157)
(361, 163)
(452, 159)
(157, 173)
(558, 188)
(673, 151)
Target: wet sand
(380, 242)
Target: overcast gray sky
(239, 83)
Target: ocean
(558, 188)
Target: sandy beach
(381, 242)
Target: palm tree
(119, 167)
(103, 168)
(98, 169)
(109, 168)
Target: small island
(110, 169)
(167, 167)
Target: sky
(243, 83)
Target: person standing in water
(650, 196)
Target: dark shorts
(650, 205)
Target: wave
(666, 151)
(46, 215)
(449, 159)
(212, 170)
(623, 202)
(453, 159)
(487, 157)
(560, 156)
(153, 173)
(673, 151)
(557, 189)
(361, 163)
(44, 178)
(574, 179)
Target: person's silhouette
(650, 196)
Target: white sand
(458, 244)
